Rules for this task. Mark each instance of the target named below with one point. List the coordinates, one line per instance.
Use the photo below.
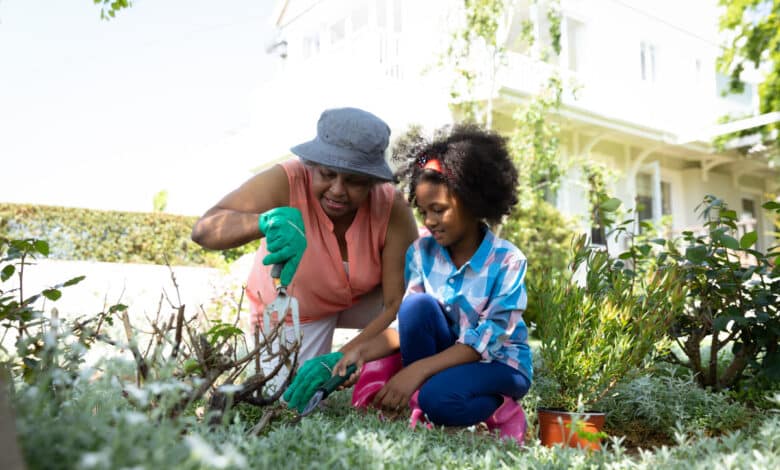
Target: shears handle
(334, 382)
(276, 273)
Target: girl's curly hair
(475, 165)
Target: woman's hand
(285, 238)
(395, 395)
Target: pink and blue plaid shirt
(483, 301)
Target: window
(397, 16)
(311, 45)
(359, 17)
(337, 31)
(647, 189)
(722, 86)
(666, 198)
(381, 13)
(647, 61)
(748, 209)
(644, 196)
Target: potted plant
(595, 332)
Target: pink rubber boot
(373, 377)
(510, 420)
(417, 415)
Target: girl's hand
(352, 356)
(395, 395)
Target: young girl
(462, 336)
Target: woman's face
(444, 216)
(340, 194)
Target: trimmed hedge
(112, 236)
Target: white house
(647, 104)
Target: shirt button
(452, 281)
(448, 308)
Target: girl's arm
(396, 393)
(232, 221)
(503, 311)
(372, 343)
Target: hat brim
(348, 160)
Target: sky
(105, 114)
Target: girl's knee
(440, 406)
(415, 307)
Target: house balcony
(673, 109)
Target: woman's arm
(232, 221)
(401, 232)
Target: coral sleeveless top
(321, 283)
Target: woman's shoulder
(293, 167)
(383, 194)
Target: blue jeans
(462, 395)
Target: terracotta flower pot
(555, 426)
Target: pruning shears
(326, 389)
(281, 304)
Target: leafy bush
(593, 335)
(73, 416)
(112, 236)
(544, 235)
(733, 301)
(114, 435)
(650, 409)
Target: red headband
(434, 164)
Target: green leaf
(771, 206)
(117, 308)
(42, 247)
(7, 272)
(720, 323)
(729, 242)
(748, 240)
(74, 281)
(52, 294)
(610, 205)
(696, 254)
(728, 214)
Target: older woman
(335, 222)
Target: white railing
(673, 107)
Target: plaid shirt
(483, 301)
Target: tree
(160, 202)
(109, 8)
(755, 40)
(480, 28)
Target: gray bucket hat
(351, 140)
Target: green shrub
(593, 335)
(544, 235)
(733, 301)
(650, 409)
(112, 236)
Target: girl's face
(340, 194)
(446, 218)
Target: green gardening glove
(311, 375)
(285, 238)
